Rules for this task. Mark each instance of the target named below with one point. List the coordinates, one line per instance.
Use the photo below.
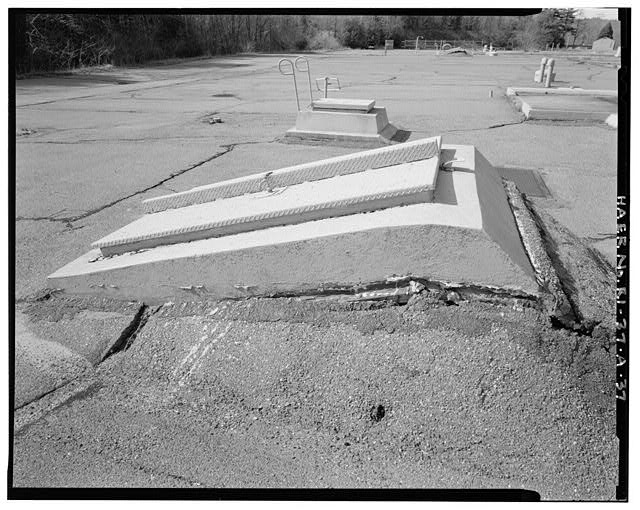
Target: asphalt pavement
(197, 397)
(88, 152)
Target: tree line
(57, 41)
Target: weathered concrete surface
(466, 236)
(560, 91)
(57, 343)
(89, 328)
(565, 104)
(370, 127)
(380, 188)
(41, 365)
(567, 108)
(356, 161)
(341, 103)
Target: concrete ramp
(443, 218)
(380, 188)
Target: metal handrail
(287, 67)
(292, 73)
(326, 80)
(305, 61)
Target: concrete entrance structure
(356, 120)
(335, 119)
(417, 210)
(565, 103)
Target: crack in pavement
(600, 237)
(592, 75)
(493, 126)
(227, 148)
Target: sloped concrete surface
(42, 366)
(89, 328)
(322, 168)
(469, 237)
(342, 195)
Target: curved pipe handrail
(292, 73)
(306, 69)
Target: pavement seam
(227, 148)
(30, 413)
(493, 126)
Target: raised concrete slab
(341, 104)
(90, 329)
(562, 91)
(604, 45)
(372, 127)
(41, 365)
(379, 188)
(417, 150)
(343, 121)
(565, 104)
(567, 108)
(466, 235)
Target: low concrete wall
(370, 123)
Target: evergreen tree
(606, 32)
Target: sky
(591, 12)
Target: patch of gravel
(294, 393)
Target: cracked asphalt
(97, 148)
(284, 397)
